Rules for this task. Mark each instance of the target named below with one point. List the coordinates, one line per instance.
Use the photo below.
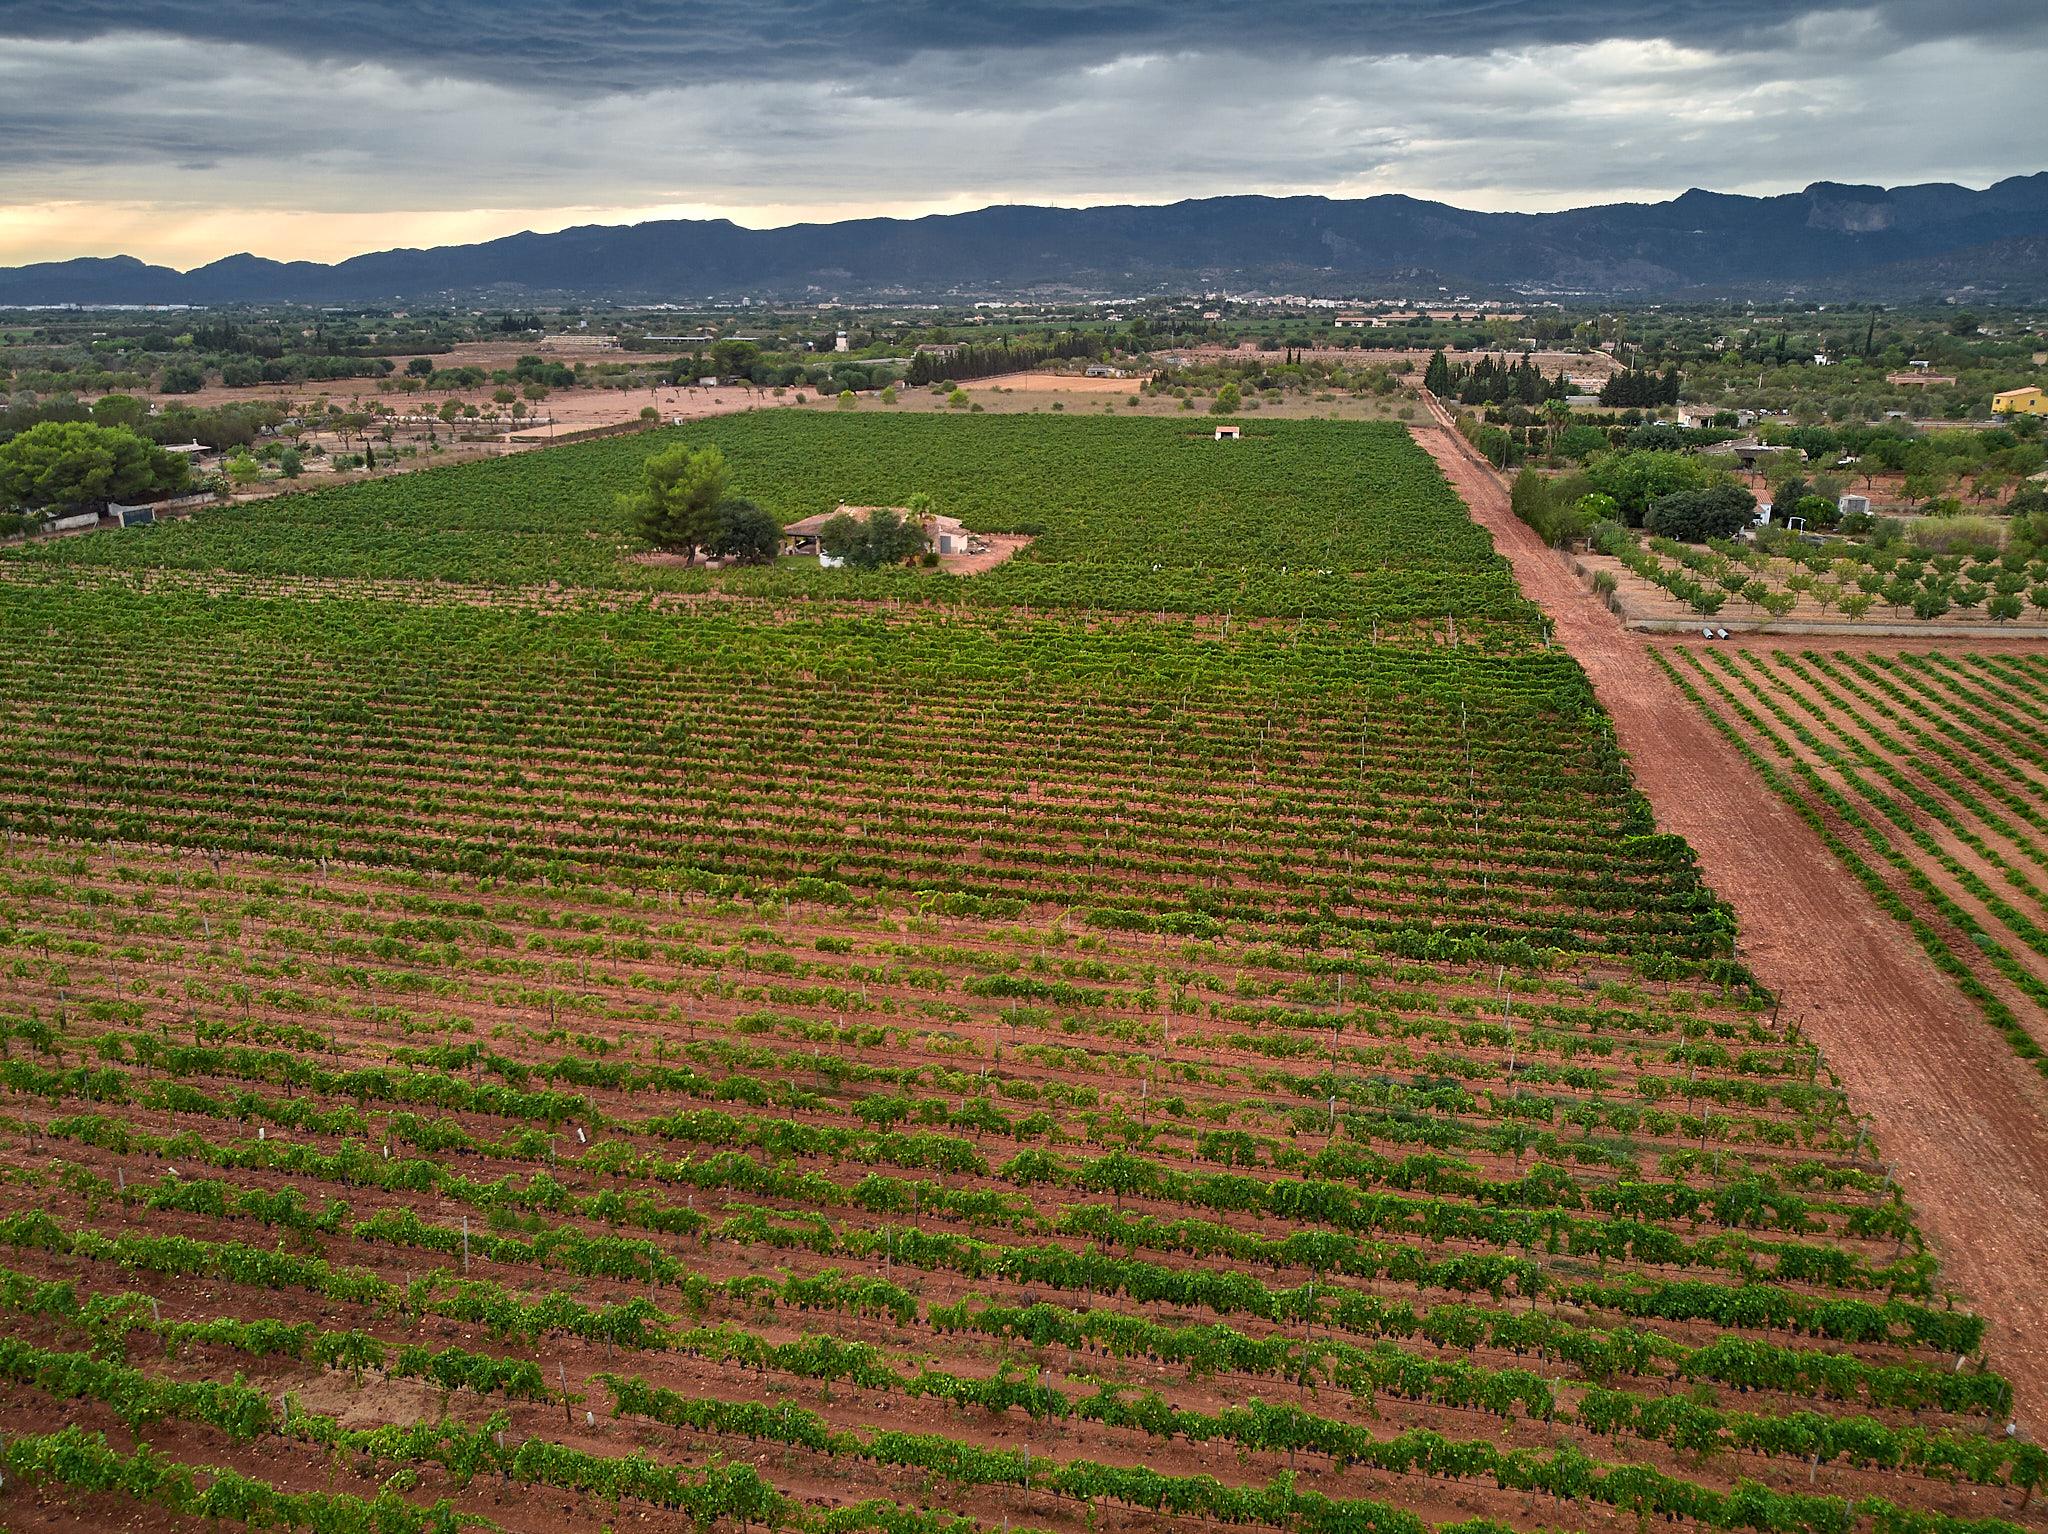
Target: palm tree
(920, 506)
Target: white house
(1229, 432)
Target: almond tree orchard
(1192, 1026)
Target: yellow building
(2028, 401)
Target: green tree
(64, 462)
(1637, 479)
(676, 506)
(882, 538)
(1227, 400)
(1694, 516)
(181, 378)
(733, 358)
(745, 531)
(1582, 442)
(1437, 376)
(120, 410)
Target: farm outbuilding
(1229, 433)
(943, 535)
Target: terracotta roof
(810, 526)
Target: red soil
(1962, 1112)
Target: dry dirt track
(1966, 1121)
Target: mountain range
(1828, 240)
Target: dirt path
(1965, 1119)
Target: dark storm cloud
(182, 130)
(587, 45)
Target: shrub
(1957, 534)
(1611, 538)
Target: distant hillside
(1809, 240)
(2013, 271)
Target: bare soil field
(1963, 1114)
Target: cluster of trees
(683, 506)
(1005, 356)
(1641, 388)
(1494, 381)
(1673, 494)
(81, 463)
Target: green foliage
(882, 537)
(1636, 480)
(1537, 501)
(677, 505)
(745, 531)
(1582, 442)
(181, 378)
(1128, 514)
(79, 462)
(1694, 516)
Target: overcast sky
(184, 130)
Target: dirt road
(1964, 1119)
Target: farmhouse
(1104, 370)
(2028, 401)
(944, 535)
